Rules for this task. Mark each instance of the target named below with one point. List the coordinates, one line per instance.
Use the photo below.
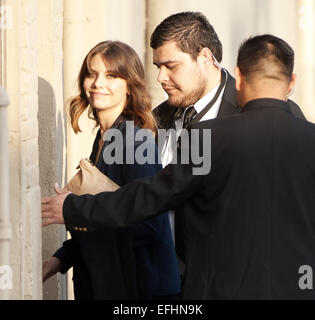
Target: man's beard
(189, 98)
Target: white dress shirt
(167, 150)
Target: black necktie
(204, 111)
(189, 114)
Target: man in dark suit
(188, 52)
(251, 220)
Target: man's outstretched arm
(141, 199)
(134, 202)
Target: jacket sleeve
(64, 255)
(137, 201)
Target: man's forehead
(169, 52)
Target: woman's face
(104, 90)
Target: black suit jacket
(251, 219)
(164, 115)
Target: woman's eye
(91, 75)
(111, 76)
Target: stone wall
(22, 84)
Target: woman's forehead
(99, 61)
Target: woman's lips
(98, 94)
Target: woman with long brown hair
(132, 263)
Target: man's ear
(238, 79)
(292, 84)
(205, 55)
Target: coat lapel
(164, 115)
(229, 100)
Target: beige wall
(21, 79)
(305, 61)
(234, 21)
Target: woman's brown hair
(122, 61)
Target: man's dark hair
(266, 56)
(191, 31)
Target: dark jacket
(112, 259)
(164, 115)
(251, 219)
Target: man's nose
(163, 75)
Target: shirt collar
(201, 103)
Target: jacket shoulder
(229, 105)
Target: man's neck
(253, 92)
(213, 79)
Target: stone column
(22, 85)
(5, 224)
(74, 50)
(73, 38)
(306, 53)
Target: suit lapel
(164, 115)
(229, 99)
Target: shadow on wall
(51, 169)
(51, 138)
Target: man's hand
(50, 267)
(52, 207)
